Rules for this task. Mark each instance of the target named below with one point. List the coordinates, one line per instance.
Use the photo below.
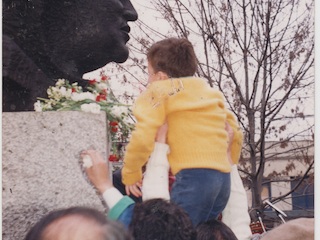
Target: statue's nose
(129, 11)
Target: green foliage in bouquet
(98, 97)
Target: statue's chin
(99, 61)
(122, 56)
(121, 60)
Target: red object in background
(104, 78)
(113, 124)
(256, 227)
(113, 158)
(114, 129)
(104, 92)
(171, 180)
(92, 81)
(101, 97)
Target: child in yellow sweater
(196, 116)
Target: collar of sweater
(172, 86)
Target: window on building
(303, 196)
(266, 190)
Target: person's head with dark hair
(158, 219)
(44, 40)
(173, 56)
(77, 223)
(214, 230)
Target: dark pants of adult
(117, 183)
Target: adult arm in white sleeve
(155, 183)
(236, 215)
(97, 172)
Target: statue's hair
(21, 19)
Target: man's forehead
(73, 227)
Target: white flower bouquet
(99, 97)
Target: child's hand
(230, 140)
(162, 133)
(230, 134)
(134, 189)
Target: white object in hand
(87, 162)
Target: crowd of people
(201, 162)
(152, 218)
(183, 128)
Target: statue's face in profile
(51, 39)
(87, 33)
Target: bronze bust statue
(44, 40)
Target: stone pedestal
(40, 165)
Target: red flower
(113, 123)
(73, 90)
(101, 97)
(114, 129)
(93, 81)
(104, 78)
(104, 92)
(113, 158)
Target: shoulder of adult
(115, 212)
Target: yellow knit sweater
(196, 115)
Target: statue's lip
(125, 28)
